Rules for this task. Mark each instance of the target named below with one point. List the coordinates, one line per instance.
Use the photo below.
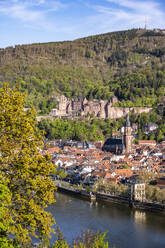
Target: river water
(125, 228)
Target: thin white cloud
(41, 1)
(136, 5)
(31, 11)
(109, 15)
(126, 14)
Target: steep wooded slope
(129, 64)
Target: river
(125, 228)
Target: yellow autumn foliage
(24, 168)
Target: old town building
(122, 144)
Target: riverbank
(125, 227)
(107, 198)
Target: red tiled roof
(149, 142)
(53, 149)
(124, 172)
(107, 175)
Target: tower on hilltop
(128, 136)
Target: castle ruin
(99, 108)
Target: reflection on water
(93, 204)
(126, 228)
(139, 217)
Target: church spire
(128, 136)
(128, 124)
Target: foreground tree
(87, 239)
(24, 169)
(5, 218)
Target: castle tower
(128, 136)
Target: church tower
(128, 136)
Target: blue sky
(30, 21)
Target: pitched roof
(148, 142)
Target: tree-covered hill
(129, 64)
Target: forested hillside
(129, 64)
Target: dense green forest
(98, 129)
(129, 64)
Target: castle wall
(117, 112)
(141, 110)
(101, 109)
(92, 107)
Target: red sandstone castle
(99, 108)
